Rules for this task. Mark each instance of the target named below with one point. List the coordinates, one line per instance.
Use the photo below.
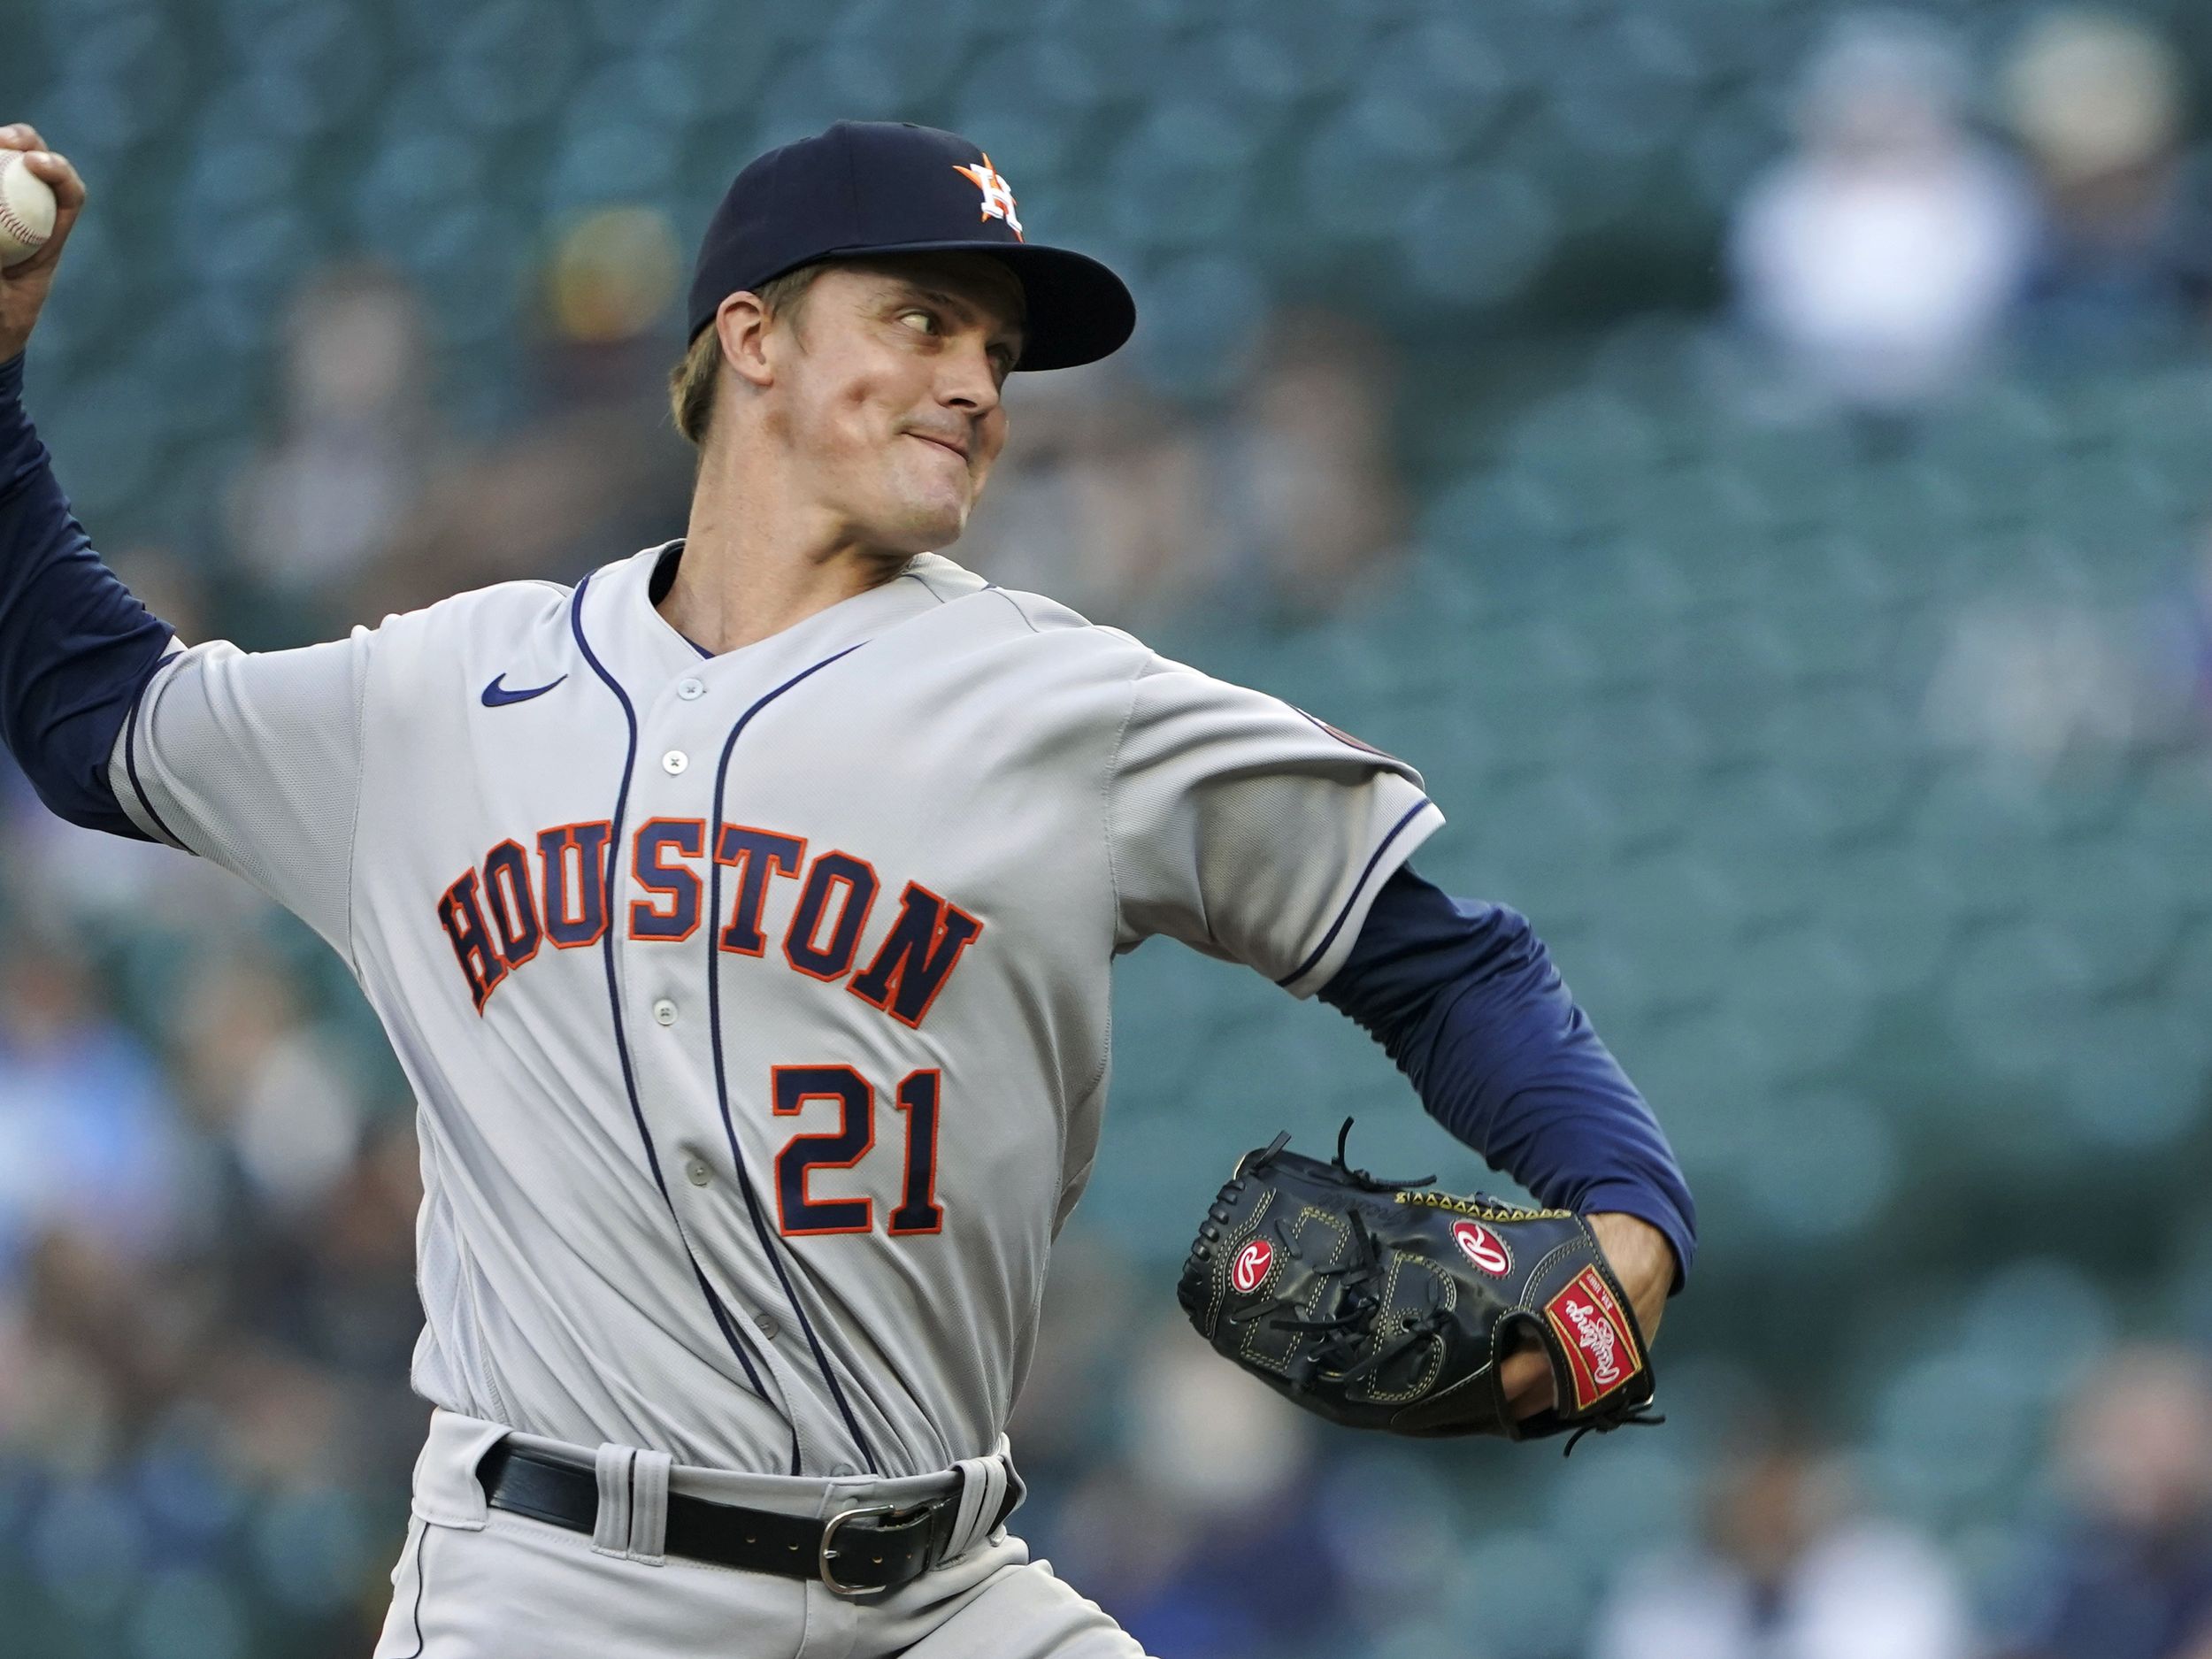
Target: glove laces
(1340, 1337)
(1642, 1417)
(1362, 1179)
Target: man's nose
(968, 380)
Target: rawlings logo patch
(1591, 1328)
(1248, 1272)
(1485, 1248)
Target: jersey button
(674, 762)
(766, 1322)
(697, 1172)
(690, 690)
(664, 1012)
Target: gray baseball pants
(479, 1583)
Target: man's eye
(929, 318)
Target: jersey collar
(632, 641)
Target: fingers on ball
(58, 173)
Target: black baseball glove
(1383, 1306)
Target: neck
(759, 559)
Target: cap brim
(1079, 309)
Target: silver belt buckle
(829, 1533)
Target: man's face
(887, 392)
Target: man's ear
(743, 329)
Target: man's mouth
(949, 447)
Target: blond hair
(691, 383)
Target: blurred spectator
(1099, 499)
(1207, 1541)
(324, 498)
(1786, 1571)
(2022, 686)
(2129, 1575)
(1878, 261)
(2176, 653)
(595, 471)
(1285, 510)
(1311, 503)
(96, 1191)
(259, 1075)
(90, 1140)
(2098, 100)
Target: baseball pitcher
(742, 918)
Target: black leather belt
(870, 1547)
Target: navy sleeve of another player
(76, 646)
(1464, 999)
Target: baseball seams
(11, 226)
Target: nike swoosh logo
(496, 695)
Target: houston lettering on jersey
(498, 914)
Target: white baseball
(26, 210)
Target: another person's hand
(1643, 1261)
(24, 288)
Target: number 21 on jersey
(798, 1213)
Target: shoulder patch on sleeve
(1343, 736)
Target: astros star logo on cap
(998, 196)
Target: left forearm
(1642, 1259)
(1466, 999)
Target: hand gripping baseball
(24, 286)
(1379, 1305)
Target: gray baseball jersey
(756, 1005)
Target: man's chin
(926, 527)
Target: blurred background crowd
(1750, 454)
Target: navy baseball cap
(891, 187)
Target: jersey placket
(687, 714)
(672, 996)
(646, 1066)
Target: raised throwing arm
(76, 647)
(250, 759)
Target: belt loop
(984, 1482)
(446, 1490)
(633, 1518)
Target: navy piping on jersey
(614, 1000)
(130, 766)
(422, 1549)
(909, 576)
(721, 1080)
(1358, 888)
(993, 588)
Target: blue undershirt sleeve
(1463, 998)
(76, 647)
